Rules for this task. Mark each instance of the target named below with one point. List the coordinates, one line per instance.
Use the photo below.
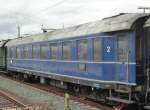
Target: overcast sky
(31, 14)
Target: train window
(44, 51)
(26, 52)
(53, 48)
(18, 53)
(82, 49)
(34, 51)
(14, 52)
(122, 52)
(66, 51)
(97, 48)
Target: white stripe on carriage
(77, 78)
(70, 61)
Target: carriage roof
(111, 24)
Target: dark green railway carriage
(3, 54)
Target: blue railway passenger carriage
(102, 55)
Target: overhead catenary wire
(47, 8)
(38, 13)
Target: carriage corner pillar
(42, 80)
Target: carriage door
(109, 49)
(109, 58)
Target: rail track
(61, 92)
(6, 101)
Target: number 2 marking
(108, 49)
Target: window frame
(18, 52)
(99, 47)
(123, 56)
(34, 52)
(68, 50)
(46, 50)
(79, 56)
(51, 51)
(14, 55)
(26, 53)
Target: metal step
(120, 100)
